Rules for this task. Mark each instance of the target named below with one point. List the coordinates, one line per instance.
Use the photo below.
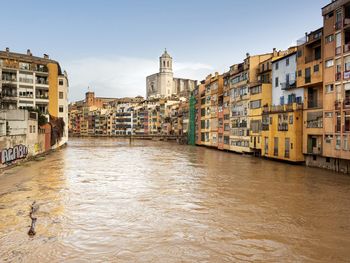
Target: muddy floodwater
(109, 200)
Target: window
(61, 109)
(60, 82)
(329, 63)
(33, 128)
(287, 62)
(299, 53)
(61, 95)
(316, 68)
(286, 147)
(307, 75)
(329, 15)
(329, 88)
(275, 146)
(328, 138)
(255, 90)
(255, 104)
(276, 82)
(276, 66)
(345, 143)
(329, 38)
(299, 73)
(287, 78)
(337, 142)
(290, 119)
(328, 114)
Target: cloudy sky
(112, 45)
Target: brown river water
(106, 200)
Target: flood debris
(33, 208)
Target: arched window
(163, 63)
(168, 64)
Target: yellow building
(242, 77)
(282, 120)
(282, 130)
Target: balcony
(42, 68)
(288, 85)
(311, 58)
(26, 80)
(42, 81)
(283, 126)
(42, 96)
(317, 123)
(8, 78)
(8, 95)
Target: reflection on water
(106, 200)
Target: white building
(163, 83)
(284, 88)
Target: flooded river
(105, 200)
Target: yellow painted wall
(256, 114)
(53, 89)
(294, 133)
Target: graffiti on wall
(10, 155)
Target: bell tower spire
(165, 63)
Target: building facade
(163, 84)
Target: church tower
(166, 80)
(165, 63)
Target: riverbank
(37, 157)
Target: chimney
(46, 56)
(28, 52)
(247, 54)
(7, 49)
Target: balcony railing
(8, 94)
(239, 125)
(42, 97)
(314, 104)
(311, 58)
(42, 81)
(283, 126)
(288, 85)
(318, 123)
(7, 78)
(26, 80)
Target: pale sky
(111, 46)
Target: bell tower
(165, 63)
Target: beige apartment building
(336, 87)
(243, 76)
